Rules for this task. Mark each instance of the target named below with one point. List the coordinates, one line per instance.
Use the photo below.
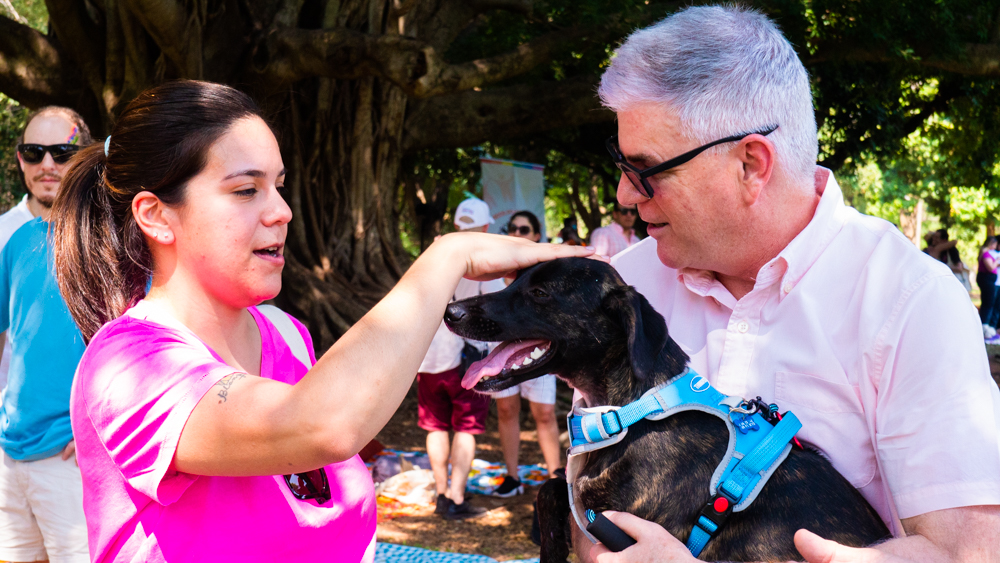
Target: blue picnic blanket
(392, 553)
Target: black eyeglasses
(523, 230)
(33, 154)
(310, 485)
(639, 177)
(628, 211)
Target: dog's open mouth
(508, 361)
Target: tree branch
(499, 114)
(31, 68)
(975, 59)
(168, 23)
(293, 54)
(73, 26)
(519, 6)
(442, 78)
(414, 66)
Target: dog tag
(745, 423)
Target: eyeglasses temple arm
(677, 161)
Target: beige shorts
(539, 390)
(41, 511)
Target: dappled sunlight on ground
(504, 532)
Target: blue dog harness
(756, 447)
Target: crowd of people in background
(452, 415)
(986, 279)
(944, 249)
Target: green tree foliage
(905, 98)
(385, 106)
(12, 118)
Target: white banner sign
(510, 186)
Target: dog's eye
(539, 294)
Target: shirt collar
(795, 260)
(829, 218)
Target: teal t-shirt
(46, 346)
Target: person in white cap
(443, 404)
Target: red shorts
(443, 404)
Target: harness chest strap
(755, 448)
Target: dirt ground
(504, 533)
(993, 353)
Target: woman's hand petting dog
(656, 545)
(488, 256)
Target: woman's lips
(271, 254)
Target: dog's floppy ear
(650, 348)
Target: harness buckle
(715, 513)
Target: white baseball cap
(472, 213)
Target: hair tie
(107, 145)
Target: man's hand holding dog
(656, 545)
(653, 543)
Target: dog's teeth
(536, 353)
(526, 361)
(515, 366)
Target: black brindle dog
(576, 318)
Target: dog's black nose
(455, 313)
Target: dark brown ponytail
(160, 142)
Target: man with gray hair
(832, 314)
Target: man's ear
(650, 348)
(757, 154)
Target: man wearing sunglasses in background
(41, 172)
(617, 236)
(774, 287)
(41, 496)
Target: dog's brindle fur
(608, 342)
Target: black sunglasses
(639, 177)
(310, 485)
(628, 211)
(33, 154)
(523, 230)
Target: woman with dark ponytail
(204, 431)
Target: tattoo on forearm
(225, 383)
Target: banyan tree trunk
(341, 141)
(350, 85)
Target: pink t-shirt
(135, 388)
(874, 345)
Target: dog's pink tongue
(496, 361)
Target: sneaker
(443, 503)
(463, 511)
(988, 331)
(510, 487)
(994, 340)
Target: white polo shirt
(874, 345)
(10, 222)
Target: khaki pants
(41, 511)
